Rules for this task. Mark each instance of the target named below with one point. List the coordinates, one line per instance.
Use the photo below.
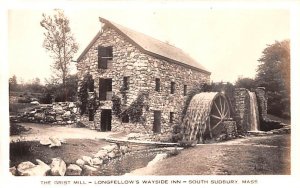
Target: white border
(282, 181)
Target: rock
(89, 170)
(75, 110)
(62, 140)
(124, 149)
(71, 104)
(13, 171)
(133, 136)
(23, 166)
(158, 157)
(80, 162)
(67, 113)
(30, 169)
(102, 154)
(45, 142)
(87, 160)
(97, 161)
(73, 170)
(58, 118)
(58, 167)
(111, 155)
(54, 142)
(69, 122)
(110, 148)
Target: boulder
(30, 169)
(58, 167)
(102, 154)
(75, 110)
(87, 160)
(23, 166)
(13, 171)
(45, 142)
(58, 118)
(71, 104)
(124, 149)
(73, 170)
(55, 142)
(111, 155)
(97, 161)
(89, 170)
(80, 162)
(67, 113)
(110, 148)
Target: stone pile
(86, 165)
(57, 113)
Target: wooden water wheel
(205, 116)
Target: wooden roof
(150, 46)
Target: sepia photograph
(198, 93)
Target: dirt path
(246, 156)
(43, 131)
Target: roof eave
(89, 46)
(151, 53)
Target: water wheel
(205, 116)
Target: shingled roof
(150, 46)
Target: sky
(228, 42)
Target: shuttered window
(105, 55)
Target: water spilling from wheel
(254, 115)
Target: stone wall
(61, 113)
(142, 70)
(261, 102)
(242, 109)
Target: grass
(231, 160)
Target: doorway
(105, 120)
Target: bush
(16, 129)
(177, 133)
(268, 124)
(186, 144)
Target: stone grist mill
(141, 85)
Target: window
(171, 117)
(184, 90)
(156, 122)
(105, 89)
(104, 56)
(172, 87)
(157, 84)
(126, 83)
(125, 118)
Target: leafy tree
(247, 83)
(60, 43)
(273, 73)
(53, 90)
(13, 85)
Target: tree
(13, 83)
(273, 73)
(247, 83)
(60, 43)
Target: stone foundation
(242, 109)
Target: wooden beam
(139, 142)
